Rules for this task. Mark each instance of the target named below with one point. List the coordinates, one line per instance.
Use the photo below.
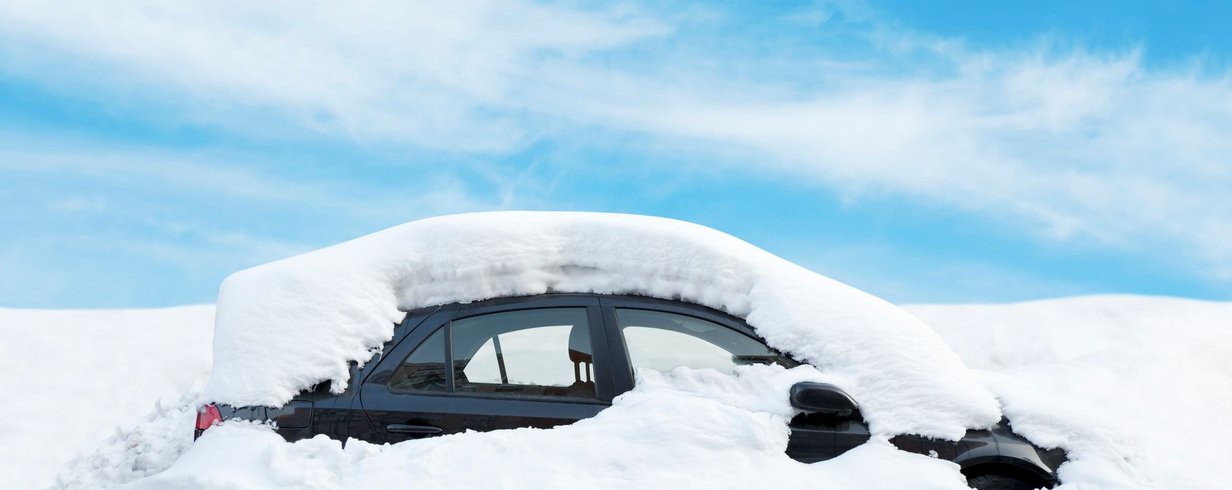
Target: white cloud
(1076, 145)
(206, 179)
(177, 222)
(1080, 147)
(437, 74)
(897, 273)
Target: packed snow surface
(288, 325)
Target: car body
(553, 359)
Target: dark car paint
(368, 410)
(456, 412)
(996, 450)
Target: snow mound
(1136, 389)
(69, 377)
(685, 429)
(287, 325)
(151, 446)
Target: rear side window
(665, 341)
(424, 369)
(540, 353)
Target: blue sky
(949, 152)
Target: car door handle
(423, 430)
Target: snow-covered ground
(1141, 385)
(69, 378)
(1154, 371)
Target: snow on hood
(285, 326)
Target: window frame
(451, 375)
(417, 336)
(622, 368)
(613, 371)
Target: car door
(652, 334)
(503, 364)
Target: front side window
(664, 341)
(541, 352)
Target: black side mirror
(823, 398)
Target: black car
(549, 360)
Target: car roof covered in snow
(287, 325)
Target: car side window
(664, 341)
(424, 369)
(541, 353)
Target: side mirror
(823, 398)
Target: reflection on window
(424, 369)
(664, 341)
(541, 352)
(544, 352)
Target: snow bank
(287, 325)
(148, 447)
(686, 429)
(67, 378)
(1137, 389)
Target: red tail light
(207, 416)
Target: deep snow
(1108, 355)
(689, 429)
(69, 378)
(1138, 389)
(285, 326)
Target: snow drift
(1152, 371)
(287, 325)
(69, 378)
(684, 429)
(1137, 389)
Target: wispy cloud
(898, 274)
(103, 225)
(1074, 145)
(1077, 146)
(443, 75)
(212, 178)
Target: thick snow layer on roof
(287, 325)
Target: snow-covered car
(492, 321)
(552, 359)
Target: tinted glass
(664, 341)
(424, 369)
(543, 352)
